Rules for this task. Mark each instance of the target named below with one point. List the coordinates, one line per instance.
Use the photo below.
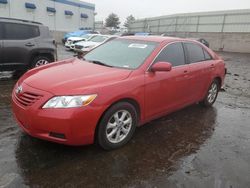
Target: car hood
(72, 76)
(88, 43)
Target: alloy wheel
(119, 126)
(41, 62)
(212, 93)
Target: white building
(58, 15)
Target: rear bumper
(75, 126)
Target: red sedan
(118, 86)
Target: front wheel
(117, 126)
(212, 94)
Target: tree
(129, 19)
(112, 21)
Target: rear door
(201, 67)
(18, 42)
(167, 91)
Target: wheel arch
(219, 80)
(48, 54)
(132, 101)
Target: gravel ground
(194, 147)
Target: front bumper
(73, 126)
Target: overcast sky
(149, 8)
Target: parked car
(84, 47)
(120, 85)
(71, 41)
(78, 34)
(25, 44)
(201, 40)
(142, 34)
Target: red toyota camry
(117, 87)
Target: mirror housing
(161, 67)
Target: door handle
(29, 44)
(185, 74)
(212, 66)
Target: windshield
(86, 36)
(122, 53)
(99, 39)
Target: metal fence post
(198, 23)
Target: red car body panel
(156, 93)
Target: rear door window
(207, 55)
(195, 52)
(173, 54)
(20, 31)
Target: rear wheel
(117, 126)
(212, 94)
(39, 61)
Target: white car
(86, 46)
(71, 41)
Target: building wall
(55, 21)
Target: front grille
(27, 98)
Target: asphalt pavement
(194, 147)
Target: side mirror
(162, 67)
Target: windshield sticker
(142, 46)
(125, 66)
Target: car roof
(153, 38)
(15, 20)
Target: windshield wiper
(100, 63)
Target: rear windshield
(122, 53)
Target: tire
(212, 94)
(113, 132)
(40, 60)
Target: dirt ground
(194, 147)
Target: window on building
(20, 31)
(173, 54)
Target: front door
(167, 91)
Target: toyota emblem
(19, 89)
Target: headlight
(70, 101)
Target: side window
(207, 55)
(20, 31)
(173, 54)
(195, 52)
